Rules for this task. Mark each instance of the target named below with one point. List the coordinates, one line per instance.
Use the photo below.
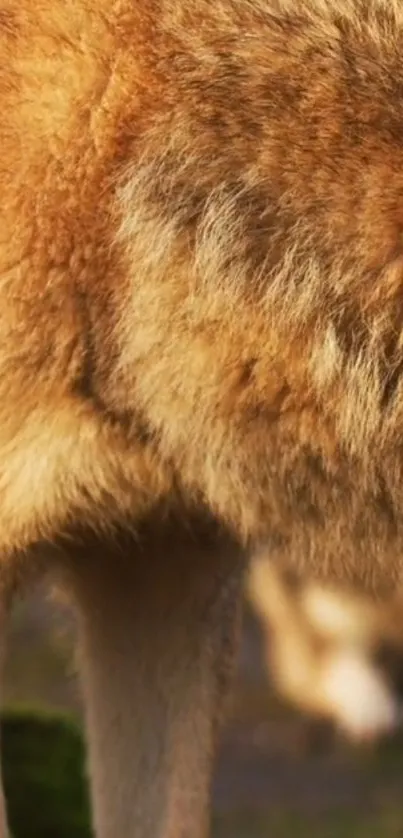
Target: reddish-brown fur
(201, 268)
(201, 265)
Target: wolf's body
(201, 273)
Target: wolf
(201, 351)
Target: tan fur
(201, 267)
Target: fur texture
(201, 270)
(201, 274)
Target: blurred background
(279, 774)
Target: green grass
(43, 769)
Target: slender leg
(158, 629)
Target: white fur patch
(362, 703)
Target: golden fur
(201, 260)
(201, 273)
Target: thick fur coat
(201, 314)
(201, 267)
